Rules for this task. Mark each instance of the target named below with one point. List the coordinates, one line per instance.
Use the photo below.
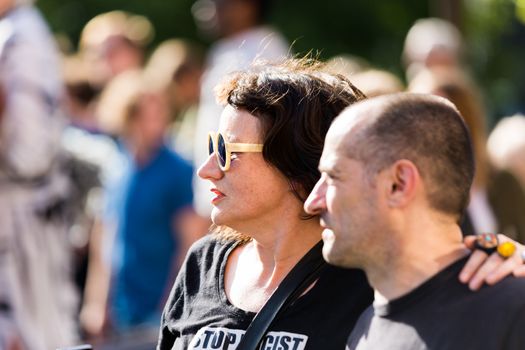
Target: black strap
(293, 285)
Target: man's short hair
(430, 132)
(296, 103)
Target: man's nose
(315, 203)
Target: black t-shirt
(198, 314)
(443, 313)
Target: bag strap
(303, 274)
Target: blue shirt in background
(144, 200)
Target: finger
(477, 258)
(491, 264)
(470, 242)
(504, 270)
(520, 271)
(502, 238)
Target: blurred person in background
(376, 82)
(89, 154)
(176, 66)
(84, 137)
(114, 42)
(506, 146)
(148, 220)
(347, 65)
(37, 297)
(81, 93)
(497, 201)
(243, 38)
(371, 81)
(432, 42)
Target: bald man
(396, 173)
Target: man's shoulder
(510, 291)
(507, 293)
(497, 306)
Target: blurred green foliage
(170, 18)
(496, 52)
(374, 30)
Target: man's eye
(234, 155)
(330, 179)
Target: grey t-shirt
(443, 313)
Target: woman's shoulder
(210, 241)
(209, 248)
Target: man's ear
(402, 179)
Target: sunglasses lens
(221, 150)
(210, 145)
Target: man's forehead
(348, 131)
(334, 149)
(328, 157)
(355, 116)
(345, 128)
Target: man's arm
(93, 314)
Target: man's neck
(414, 263)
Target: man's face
(346, 199)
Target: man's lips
(328, 234)
(324, 223)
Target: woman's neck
(285, 245)
(256, 269)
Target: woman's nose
(209, 170)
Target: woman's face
(251, 193)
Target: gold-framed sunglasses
(223, 150)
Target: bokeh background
(493, 29)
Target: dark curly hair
(295, 102)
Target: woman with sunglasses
(262, 164)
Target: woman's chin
(217, 217)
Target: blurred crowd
(98, 198)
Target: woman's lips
(218, 195)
